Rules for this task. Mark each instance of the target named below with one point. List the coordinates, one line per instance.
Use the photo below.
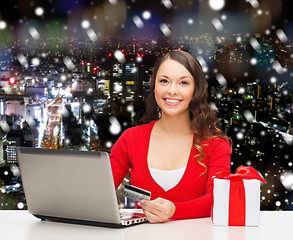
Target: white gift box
(221, 192)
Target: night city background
(74, 75)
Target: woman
(175, 154)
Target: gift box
(236, 197)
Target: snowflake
(36, 61)
(241, 90)
(273, 80)
(203, 64)
(221, 79)
(190, 21)
(165, 29)
(254, 3)
(224, 17)
(4, 125)
(139, 59)
(254, 43)
(39, 11)
(119, 56)
(216, 4)
(281, 35)
(20, 205)
(167, 3)
(138, 22)
(248, 115)
(34, 33)
(115, 127)
(68, 63)
(263, 133)
(22, 60)
(146, 15)
(2, 25)
(92, 34)
(129, 108)
(86, 108)
(108, 144)
(85, 24)
(240, 135)
(113, 2)
(278, 67)
(217, 24)
(253, 61)
(286, 178)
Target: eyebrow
(179, 78)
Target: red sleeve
(119, 158)
(219, 154)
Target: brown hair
(203, 118)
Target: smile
(172, 101)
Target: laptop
(73, 187)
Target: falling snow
(260, 56)
(92, 34)
(255, 44)
(85, 24)
(248, 115)
(216, 4)
(167, 3)
(138, 22)
(39, 11)
(36, 61)
(221, 79)
(119, 56)
(34, 33)
(115, 127)
(23, 61)
(146, 15)
(2, 25)
(217, 24)
(165, 29)
(68, 62)
(281, 35)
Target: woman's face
(174, 87)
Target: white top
(167, 179)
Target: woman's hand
(158, 210)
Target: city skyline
(81, 71)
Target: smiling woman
(175, 154)
(174, 88)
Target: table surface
(21, 225)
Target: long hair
(204, 122)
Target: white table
(21, 225)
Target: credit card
(136, 193)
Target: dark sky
(17, 9)
(239, 14)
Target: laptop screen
(69, 184)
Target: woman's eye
(163, 81)
(185, 83)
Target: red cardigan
(192, 195)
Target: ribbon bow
(242, 172)
(237, 192)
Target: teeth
(172, 101)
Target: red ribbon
(237, 192)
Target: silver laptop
(73, 187)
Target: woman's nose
(173, 88)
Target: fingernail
(142, 201)
(138, 203)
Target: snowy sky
(167, 17)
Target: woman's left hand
(158, 210)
